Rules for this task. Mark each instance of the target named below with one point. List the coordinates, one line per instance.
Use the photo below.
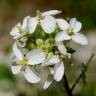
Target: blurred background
(13, 11)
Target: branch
(67, 86)
(83, 72)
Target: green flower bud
(49, 55)
(43, 47)
(31, 46)
(39, 42)
(47, 43)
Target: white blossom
(57, 71)
(22, 63)
(70, 31)
(46, 20)
(16, 32)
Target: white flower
(46, 20)
(70, 31)
(15, 32)
(33, 57)
(57, 71)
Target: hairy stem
(83, 72)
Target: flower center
(70, 32)
(63, 57)
(22, 62)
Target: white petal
(13, 58)
(62, 36)
(59, 72)
(17, 36)
(72, 22)
(15, 30)
(16, 69)
(63, 24)
(61, 48)
(47, 84)
(53, 60)
(80, 38)
(32, 24)
(17, 52)
(51, 12)
(75, 25)
(22, 41)
(25, 22)
(48, 24)
(31, 76)
(36, 56)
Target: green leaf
(70, 50)
(5, 72)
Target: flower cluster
(41, 42)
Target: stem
(67, 86)
(83, 72)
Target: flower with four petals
(49, 51)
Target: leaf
(70, 50)
(5, 73)
(88, 90)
